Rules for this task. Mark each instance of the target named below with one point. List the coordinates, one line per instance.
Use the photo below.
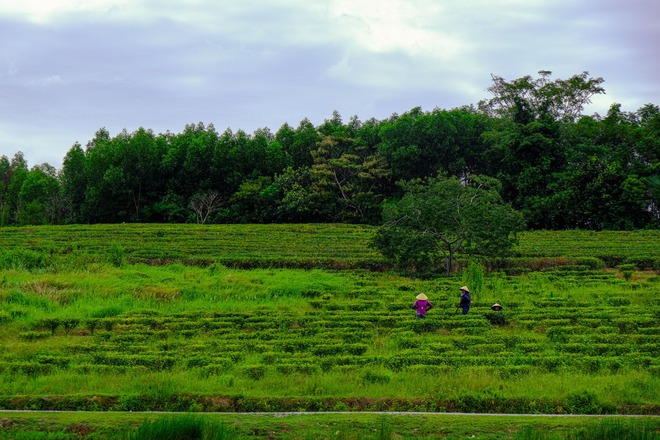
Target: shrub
(91, 324)
(584, 402)
(107, 312)
(33, 336)
(218, 368)
(641, 262)
(627, 270)
(69, 324)
(116, 255)
(254, 372)
(50, 323)
(375, 377)
(496, 318)
(108, 323)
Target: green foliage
(116, 255)
(438, 219)
(51, 324)
(375, 377)
(254, 372)
(22, 259)
(627, 270)
(179, 427)
(572, 338)
(473, 276)
(559, 168)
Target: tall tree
(5, 181)
(39, 197)
(526, 147)
(74, 182)
(346, 180)
(19, 173)
(526, 99)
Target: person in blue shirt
(466, 300)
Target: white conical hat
(422, 297)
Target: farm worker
(465, 300)
(422, 305)
(496, 307)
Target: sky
(71, 67)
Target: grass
(325, 426)
(179, 330)
(83, 330)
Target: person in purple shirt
(422, 305)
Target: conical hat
(422, 297)
(465, 288)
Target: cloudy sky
(70, 67)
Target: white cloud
(40, 11)
(396, 25)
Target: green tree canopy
(439, 218)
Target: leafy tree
(346, 179)
(526, 99)
(39, 197)
(137, 168)
(74, 182)
(527, 146)
(305, 141)
(255, 201)
(5, 180)
(19, 173)
(293, 186)
(100, 203)
(422, 144)
(442, 217)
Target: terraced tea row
(568, 339)
(311, 245)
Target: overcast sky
(71, 67)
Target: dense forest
(560, 168)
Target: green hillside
(86, 324)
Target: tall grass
(180, 427)
(607, 429)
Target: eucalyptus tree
(73, 183)
(5, 180)
(304, 142)
(38, 197)
(19, 173)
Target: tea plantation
(233, 318)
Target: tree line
(561, 169)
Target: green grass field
(147, 318)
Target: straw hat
(496, 307)
(422, 297)
(465, 288)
